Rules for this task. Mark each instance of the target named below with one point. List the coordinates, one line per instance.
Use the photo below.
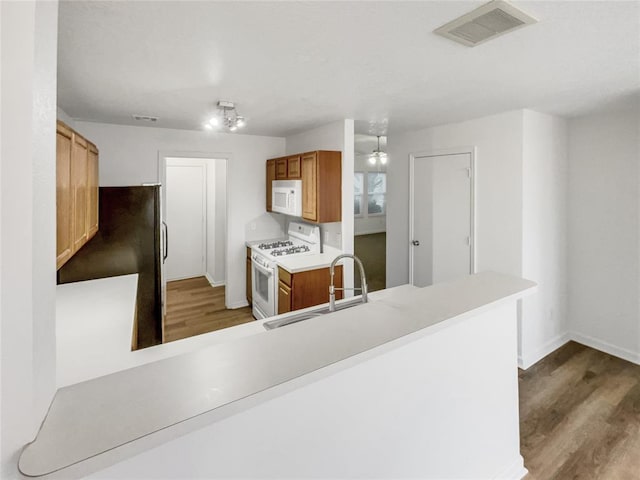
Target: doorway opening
(441, 216)
(370, 212)
(194, 271)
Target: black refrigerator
(130, 239)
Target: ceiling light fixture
(378, 156)
(227, 116)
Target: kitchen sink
(302, 316)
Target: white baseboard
(555, 343)
(515, 471)
(240, 304)
(625, 354)
(526, 361)
(212, 282)
(370, 232)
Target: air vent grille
(484, 23)
(144, 118)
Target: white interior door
(186, 220)
(442, 237)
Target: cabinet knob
(415, 243)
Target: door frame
(472, 227)
(205, 210)
(162, 179)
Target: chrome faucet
(332, 288)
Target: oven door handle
(266, 271)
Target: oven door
(263, 283)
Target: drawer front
(284, 276)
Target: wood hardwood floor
(195, 307)
(580, 416)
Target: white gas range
(303, 239)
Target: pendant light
(378, 156)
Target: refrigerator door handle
(166, 241)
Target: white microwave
(286, 197)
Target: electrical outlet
(253, 225)
(326, 237)
(338, 239)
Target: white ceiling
(290, 66)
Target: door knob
(415, 243)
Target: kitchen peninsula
(424, 376)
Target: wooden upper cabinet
(322, 190)
(321, 175)
(92, 194)
(293, 168)
(64, 195)
(309, 169)
(76, 192)
(79, 180)
(271, 176)
(281, 168)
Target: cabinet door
(293, 168)
(284, 298)
(271, 176)
(79, 178)
(92, 194)
(309, 169)
(281, 169)
(64, 196)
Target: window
(358, 191)
(374, 196)
(376, 193)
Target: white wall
(64, 116)
(604, 251)
(28, 39)
(218, 269)
(334, 136)
(521, 211)
(543, 321)
(129, 156)
(498, 139)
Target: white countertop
(94, 326)
(301, 263)
(104, 413)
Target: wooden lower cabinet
(249, 286)
(306, 289)
(284, 298)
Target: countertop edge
(100, 460)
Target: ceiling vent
(144, 118)
(484, 23)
